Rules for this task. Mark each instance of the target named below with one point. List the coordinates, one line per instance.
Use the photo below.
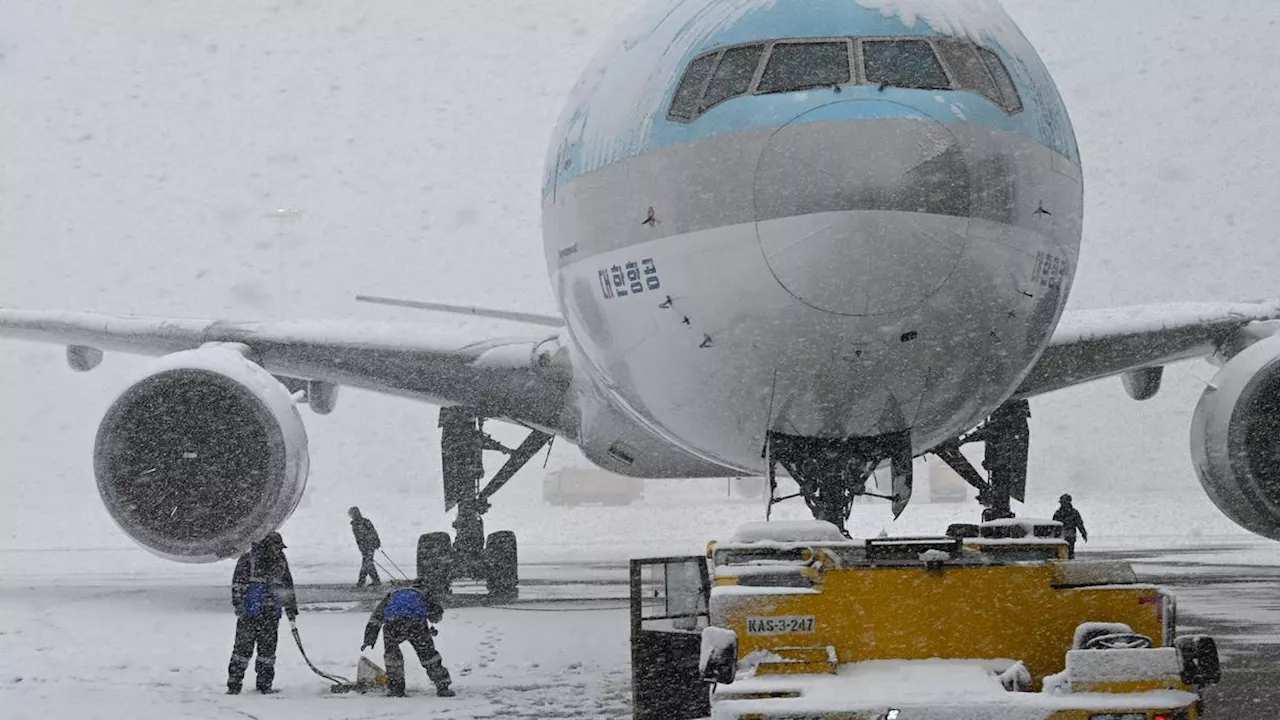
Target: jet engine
(1235, 438)
(202, 456)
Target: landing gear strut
(831, 473)
(1007, 436)
(472, 554)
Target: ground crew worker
(1071, 522)
(367, 541)
(261, 587)
(402, 615)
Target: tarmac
(1239, 605)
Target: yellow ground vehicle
(793, 621)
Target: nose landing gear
(831, 473)
(473, 555)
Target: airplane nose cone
(862, 206)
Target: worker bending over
(406, 614)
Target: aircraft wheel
(435, 551)
(503, 578)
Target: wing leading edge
(1093, 344)
(524, 379)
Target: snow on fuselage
(847, 220)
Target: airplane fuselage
(888, 251)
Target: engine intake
(202, 457)
(1235, 438)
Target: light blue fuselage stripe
(1042, 119)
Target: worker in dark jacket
(261, 587)
(1071, 522)
(367, 541)
(403, 615)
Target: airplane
(825, 235)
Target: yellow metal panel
(1188, 713)
(1127, 686)
(909, 613)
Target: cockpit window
(979, 70)
(904, 64)
(689, 92)
(968, 70)
(802, 65)
(1012, 103)
(733, 75)
(942, 63)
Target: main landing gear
(1007, 436)
(471, 554)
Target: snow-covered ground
(103, 630)
(252, 159)
(97, 627)
(148, 652)
(675, 518)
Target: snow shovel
(369, 675)
(340, 684)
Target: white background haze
(148, 149)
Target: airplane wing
(524, 379)
(1092, 344)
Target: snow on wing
(1093, 344)
(524, 379)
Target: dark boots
(395, 688)
(233, 688)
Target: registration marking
(780, 625)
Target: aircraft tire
(435, 550)
(503, 578)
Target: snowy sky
(256, 160)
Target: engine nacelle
(203, 456)
(1235, 438)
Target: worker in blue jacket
(406, 614)
(261, 588)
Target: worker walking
(406, 614)
(368, 542)
(1071, 522)
(261, 587)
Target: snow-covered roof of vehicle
(1018, 541)
(1029, 523)
(789, 531)
(1122, 665)
(945, 686)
